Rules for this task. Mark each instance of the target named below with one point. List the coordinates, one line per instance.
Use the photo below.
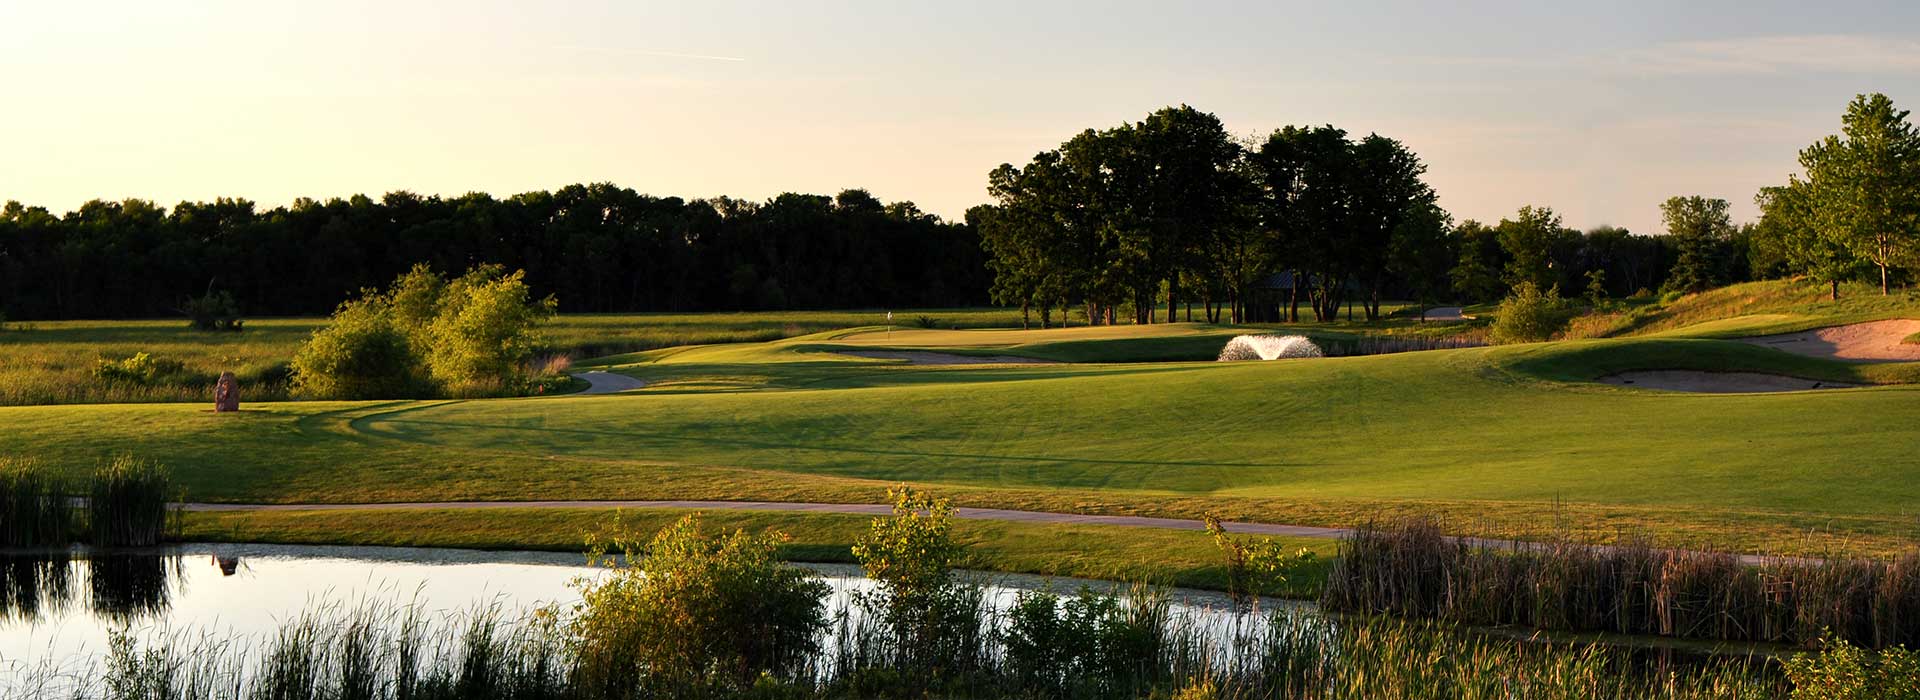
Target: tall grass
(128, 503)
(1409, 568)
(1100, 645)
(33, 505)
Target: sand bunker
(1716, 382)
(1874, 341)
(921, 357)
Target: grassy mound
(1753, 308)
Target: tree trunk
(1046, 317)
(1833, 289)
(1883, 279)
(1293, 300)
(1026, 315)
(1173, 302)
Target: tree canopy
(1858, 206)
(598, 247)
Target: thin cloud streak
(649, 52)
(1833, 53)
(1759, 55)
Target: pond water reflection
(60, 608)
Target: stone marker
(226, 394)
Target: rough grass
(1753, 308)
(52, 362)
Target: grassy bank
(1173, 557)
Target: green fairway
(1505, 435)
(1503, 439)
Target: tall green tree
(1183, 162)
(1305, 174)
(1865, 183)
(1535, 244)
(1791, 231)
(1700, 230)
(1421, 254)
(1479, 269)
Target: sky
(1598, 110)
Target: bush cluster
(690, 610)
(140, 368)
(1530, 315)
(428, 335)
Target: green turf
(1513, 436)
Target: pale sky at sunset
(1599, 109)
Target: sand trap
(1716, 382)
(921, 357)
(1874, 341)
(604, 382)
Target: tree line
(1175, 208)
(598, 247)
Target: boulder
(226, 394)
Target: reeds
(1409, 568)
(1103, 645)
(33, 506)
(127, 503)
(1389, 344)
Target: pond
(58, 611)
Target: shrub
(1090, 645)
(141, 368)
(128, 503)
(932, 625)
(1256, 567)
(691, 611)
(359, 355)
(471, 336)
(1529, 315)
(483, 327)
(1841, 671)
(926, 322)
(1596, 287)
(214, 311)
